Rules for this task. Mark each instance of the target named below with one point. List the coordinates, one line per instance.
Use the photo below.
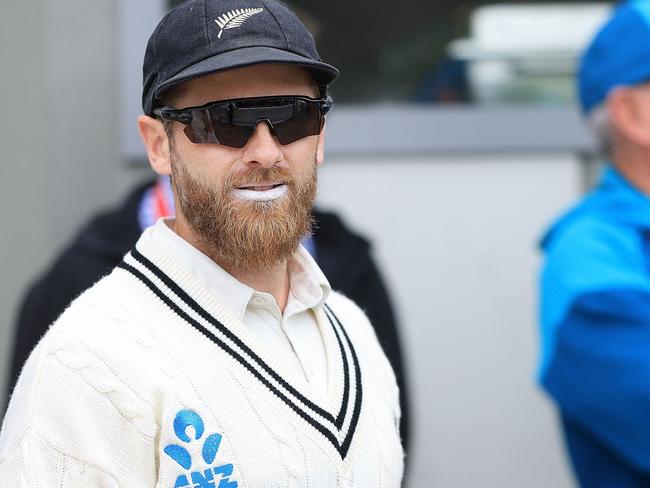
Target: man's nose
(262, 147)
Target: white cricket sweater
(147, 380)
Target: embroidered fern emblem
(235, 18)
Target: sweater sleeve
(73, 422)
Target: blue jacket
(595, 320)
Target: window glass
(449, 51)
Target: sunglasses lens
(210, 126)
(231, 135)
(231, 124)
(306, 121)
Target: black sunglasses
(232, 122)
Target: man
(343, 256)
(216, 353)
(595, 313)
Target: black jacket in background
(343, 256)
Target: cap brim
(248, 56)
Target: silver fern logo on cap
(236, 18)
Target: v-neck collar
(334, 415)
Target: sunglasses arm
(182, 116)
(326, 105)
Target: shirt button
(258, 301)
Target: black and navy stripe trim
(356, 412)
(330, 426)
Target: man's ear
(629, 112)
(156, 143)
(320, 150)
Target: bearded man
(216, 353)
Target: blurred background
(454, 142)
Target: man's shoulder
(97, 349)
(102, 322)
(591, 254)
(341, 304)
(352, 318)
(596, 245)
(102, 304)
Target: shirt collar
(307, 283)
(308, 286)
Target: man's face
(229, 197)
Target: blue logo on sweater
(206, 478)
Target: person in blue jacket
(595, 307)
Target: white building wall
(60, 154)
(457, 239)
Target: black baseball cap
(200, 37)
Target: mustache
(258, 176)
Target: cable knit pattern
(147, 380)
(98, 376)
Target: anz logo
(209, 476)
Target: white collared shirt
(295, 335)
